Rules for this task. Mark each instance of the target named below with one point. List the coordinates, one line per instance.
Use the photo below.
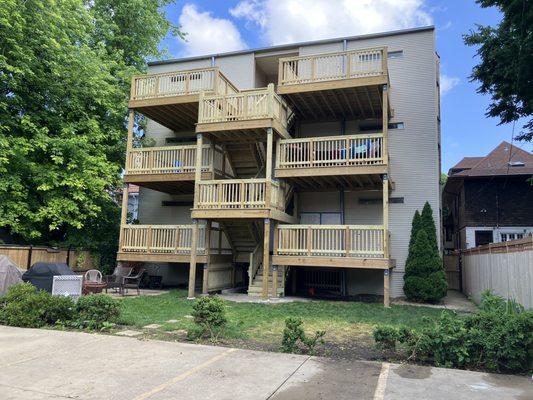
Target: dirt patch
(410, 371)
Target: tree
(65, 72)
(428, 224)
(506, 53)
(424, 278)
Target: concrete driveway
(40, 364)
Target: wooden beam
(192, 268)
(123, 214)
(131, 120)
(385, 122)
(205, 281)
(333, 262)
(198, 166)
(266, 257)
(386, 215)
(386, 288)
(275, 267)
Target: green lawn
(343, 321)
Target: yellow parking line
(186, 374)
(379, 393)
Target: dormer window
(517, 164)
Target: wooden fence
(506, 268)
(26, 256)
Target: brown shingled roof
(498, 162)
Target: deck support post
(385, 126)
(198, 167)
(205, 282)
(123, 215)
(386, 288)
(192, 268)
(275, 268)
(385, 179)
(268, 167)
(266, 258)
(131, 121)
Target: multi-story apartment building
(300, 164)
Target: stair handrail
(256, 260)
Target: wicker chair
(133, 281)
(115, 280)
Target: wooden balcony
(243, 116)
(344, 84)
(171, 99)
(165, 243)
(345, 246)
(241, 198)
(172, 169)
(351, 160)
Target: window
(505, 237)
(376, 127)
(320, 218)
(395, 54)
(483, 237)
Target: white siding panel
(239, 69)
(152, 212)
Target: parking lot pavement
(42, 364)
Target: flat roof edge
(297, 44)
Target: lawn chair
(115, 280)
(133, 281)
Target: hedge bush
(25, 306)
(496, 338)
(96, 310)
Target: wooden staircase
(255, 273)
(247, 159)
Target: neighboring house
(489, 199)
(302, 165)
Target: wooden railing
(240, 193)
(256, 259)
(172, 159)
(332, 66)
(244, 106)
(331, 240)
(180, 83)
(330, 151)
(160, 239)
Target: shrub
(96, 311)
(210, 317)
(23, 306)
(386, 337)
(58, 309)
(294, 334)
(496, 338)
(424, 278)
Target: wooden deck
(242, 198)
(339, 246)
(244, 116)
(171, 99)
(165, 243)
(355, 161)
(171, 169)
(346, 84)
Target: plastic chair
(93, 275)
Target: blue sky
(215, 26)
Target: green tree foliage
(506, 53)
(424, 278)
(65, 71)
(428, 224)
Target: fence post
(68, 255)
(30, 250)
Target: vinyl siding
(414, 151)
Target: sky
(216, 26)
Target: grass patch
(343, 321)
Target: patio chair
(114, 281)
(93, 275)
(133, 281)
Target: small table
(93, 287)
